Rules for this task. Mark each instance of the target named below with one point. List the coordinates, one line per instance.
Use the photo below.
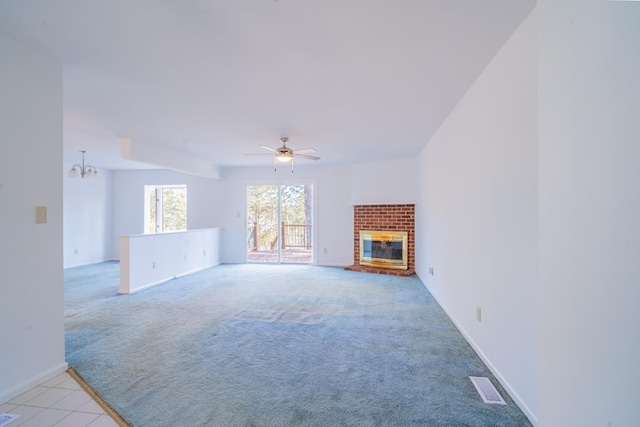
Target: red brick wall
(385, 218)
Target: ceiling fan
(285, 154)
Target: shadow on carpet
(265, 345)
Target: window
(165, 208)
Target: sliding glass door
(280, 223)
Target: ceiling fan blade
(304, 156)
(267, 148)
(308, 150)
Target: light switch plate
(41, 214)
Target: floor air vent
(487, 391)
(5, 418)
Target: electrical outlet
(479, 314)
(324, 251)
(75, 252)
(431, 271)
(204, 252)
(153, 265)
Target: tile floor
(59, 402)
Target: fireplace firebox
(384, 249)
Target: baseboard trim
(505, 384)
(33, 382)
(84, 264)
(165, 280)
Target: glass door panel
(280, 223)
(296, 223)
(262, 223)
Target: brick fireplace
(390, 218)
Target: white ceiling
(359, 80)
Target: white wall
(389, 182)
(333, 218)
(32, 309)
(222, 203)
(205, 201)
(589, 166)
(150, 259)
(87, 218)
(476, 216)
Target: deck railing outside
(296, 236)
(293, 236)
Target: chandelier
(83, 169)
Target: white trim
(83, 264)
(159, 282)
(33, 382)
(505, 384)
(148, 285)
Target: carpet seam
(87, 388)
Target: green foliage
(174, 209)
(262, 211)
(165, 208)
(292, 204)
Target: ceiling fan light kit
(284, 154)
(284, 157)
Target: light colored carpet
(268, 345)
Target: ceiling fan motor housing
(284, 152)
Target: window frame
(159, 207)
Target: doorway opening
(280, 223)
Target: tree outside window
(165, 208)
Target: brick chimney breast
(384, 218)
